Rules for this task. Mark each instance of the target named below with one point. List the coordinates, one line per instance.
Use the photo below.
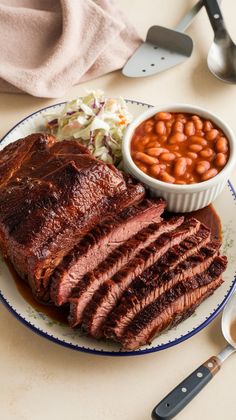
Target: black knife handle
(215, 15)
(179, 397)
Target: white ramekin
(182, 198)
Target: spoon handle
(215, 15)
(180, 396)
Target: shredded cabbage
(96, 121)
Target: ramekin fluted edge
(182, 198)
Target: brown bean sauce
(207, 215)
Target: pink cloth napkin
(47, 46)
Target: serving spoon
(222, 54)
(179, 397)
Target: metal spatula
(164, 48)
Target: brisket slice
(188, 303)
(100, 242)
(163, 312)
(179, 252)
(50, 197)
(83, 293)
(144, 291)
(109, 293)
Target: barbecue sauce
(59, 314)
(208, 216)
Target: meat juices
(83, 233)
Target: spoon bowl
(222, 60)
(228, 320)
(222, 54)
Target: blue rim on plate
(101, 352)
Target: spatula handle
(179, 397)
(188, 18)
(215, 15)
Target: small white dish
(182, 198)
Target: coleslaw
(94, 120)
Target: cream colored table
(41, 380)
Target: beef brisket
(82, 232)
(83, 293)
(99, 243)
(145, 290)
(163, 312)
(51, 195)
(109, 293)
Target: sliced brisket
(180, 252)
(164, 311)
(50, 198)
(113, 263)
(108, 294)
(80, 231)
(100, 242)
(145, 290)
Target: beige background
(40, 380)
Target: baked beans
(179, 148)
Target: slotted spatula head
(164, 48)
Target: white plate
(225, 205)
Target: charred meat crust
(51, 197)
